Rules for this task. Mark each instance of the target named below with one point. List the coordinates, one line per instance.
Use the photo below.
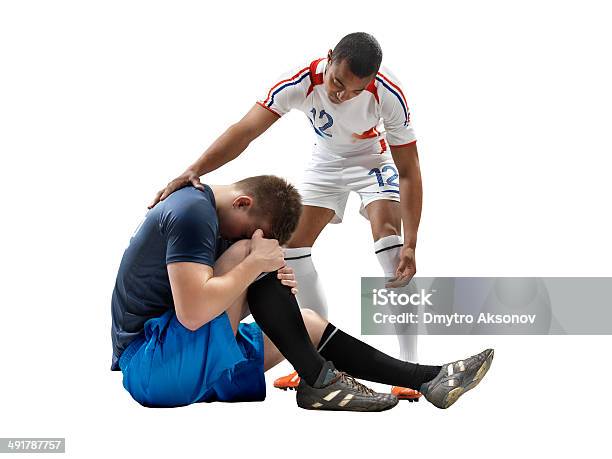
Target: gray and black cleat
(457, 378)
(337, 391)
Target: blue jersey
(183, 227)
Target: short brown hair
(277, 201)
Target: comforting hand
(268, 254)
(187, 178)
(405, 269)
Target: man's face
(340, 83)
(239, 223)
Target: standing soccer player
(364, 143)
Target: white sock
(388, 251)
(310, 291)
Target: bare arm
(199, 296)
(406, 159)
(226, 148)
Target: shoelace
(352, 382)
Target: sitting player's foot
(337, 391)
(288, 382)
(457, 378)
(404, 393)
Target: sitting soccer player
(182, 290)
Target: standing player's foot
(405, 393)
(457, 378)
(337, 391)
(288, 382)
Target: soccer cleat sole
(454, 394)
(410, 399)
(365, 408)
(286, 388)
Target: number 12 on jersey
(391, 180)
(329, 122)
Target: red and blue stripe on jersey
(397, 92)
(283, 84)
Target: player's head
(352, 65)
(263, 202)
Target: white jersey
(377, 116)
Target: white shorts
(329, 178)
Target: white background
(101, 103)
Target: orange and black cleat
(288, 382)
(404, 393)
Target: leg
(385, 220)
(315, 325)
(312, 222)
(442, 386)
(277, 313)
(310, 291)
(333, 390)
(298, 256)
(365, 362)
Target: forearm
(406, 159)
(411, 201)
(223, 150)
(219, 293)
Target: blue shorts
(169, 365)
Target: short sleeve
(395, 111)
(191, 229)
(288, 92)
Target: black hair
(362, 52)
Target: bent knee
(315, 324)
(312, 317)
(385, 229)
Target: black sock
(363, 361)
(276, 311)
